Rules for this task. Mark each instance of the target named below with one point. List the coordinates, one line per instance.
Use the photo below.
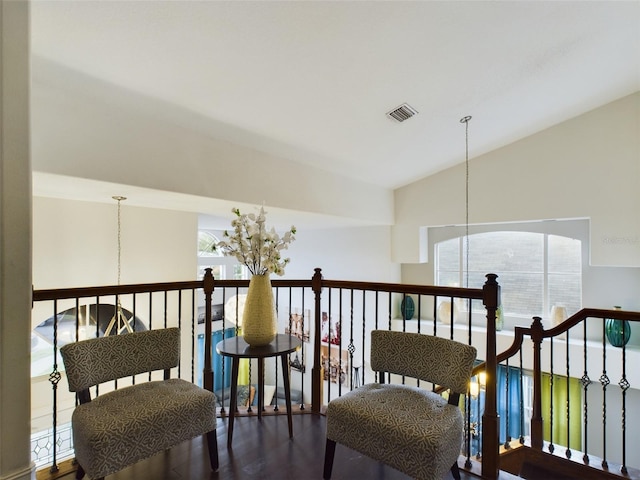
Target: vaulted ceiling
(312, 81)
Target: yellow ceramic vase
(259, 321)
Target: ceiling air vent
(402, 113)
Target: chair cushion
(408, 428)
(122, 427)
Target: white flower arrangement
(254, 245)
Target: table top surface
(237, 347)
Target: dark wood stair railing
(589, 466)
(489, 294)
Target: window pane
(239, 272)
(565, 290)
(522, 293)
(497, 252)
(518, 258)
(448, 255)
(448, 279)
(565, 255)
(206, 241)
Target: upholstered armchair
(409, 428)
(124, 426)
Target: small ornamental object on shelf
(618, 331)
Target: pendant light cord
(119, 199)
(118, 318)
(466, 120)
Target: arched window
(206, 241)
(536, 270)
(222, 267)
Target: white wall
(358, 254)
(75, 244)
(85, 128)
(587, 167)
(15, 240)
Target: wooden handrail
(489, 294)
(84, 292)
(537, 333)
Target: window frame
(576, 229)
(226, 264)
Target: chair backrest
(91, 362)
(433, 359)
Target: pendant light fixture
(466, 120)
(119, 319)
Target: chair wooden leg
(212, 444)
(329, 452)
(455, 471)
(79, 472)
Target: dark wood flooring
(262, 450)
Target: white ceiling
(312, 81)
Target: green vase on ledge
(618, 331)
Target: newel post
(316, 371)
(207, 372)
(490, 417)
(537, 330)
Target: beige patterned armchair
(408, 428)
(119, 428)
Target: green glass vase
(408, 308)
(618, 331)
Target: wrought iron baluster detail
(377, 303)
(568, 402)
(451, 317)
(54, 378)
(467, 436)
(327, 370)
(351, 347)
(179, 326)
(193, 332)
(435, 316)
(364, 331)
(507, 437)
(389, 311)
(585, 381)
(151, 321)
(339, 353)
(165, 315)
(302, 352)
(402, 312)
(249, 409)
(133, 320)
(604, 381)
(521, 402)
(624, 386)
(469, 315)
(97, 387)
(479, 427)
(551, 379)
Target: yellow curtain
(243, 367)
(562, 425)
(243, 372)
